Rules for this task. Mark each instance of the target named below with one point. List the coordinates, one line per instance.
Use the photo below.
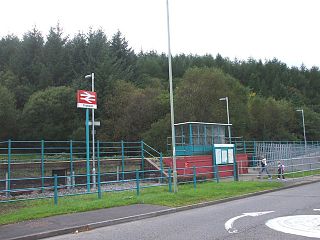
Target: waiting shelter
(198, 138)
(203, 147)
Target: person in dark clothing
(280, 170)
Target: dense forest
(39, 77)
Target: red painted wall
(242, 162)
(203, 164)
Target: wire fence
(285, 160)
(30, 166)
(47, 169)
(51, 169)
(62, 186)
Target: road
(239, 219)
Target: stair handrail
(157, 152)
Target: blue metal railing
(30, 163)
(54, 189)
(26, 167)
(31, 169)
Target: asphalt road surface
(287, 214)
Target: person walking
(280, 170)
(264, 168)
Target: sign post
(88, 100)
(87, 150)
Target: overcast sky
(263, 29)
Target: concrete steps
(155, 164)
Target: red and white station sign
(86, 99)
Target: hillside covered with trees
(39, 77)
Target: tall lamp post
(91, 76)
(304, 128)
(173, 137)
(229, 130)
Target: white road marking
(316, 209)
(229, 224)
(302, 225)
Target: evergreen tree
(9, 47)
(29, 62)
(55, 59)
(124, 60)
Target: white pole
(229, 130)
(93, 145)
(118, 178)
(73, 180)
(7, 185)
(173, 137)
(304, 130)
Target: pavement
(79, 222)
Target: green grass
(27, 210)
(301, 174)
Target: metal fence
(298, 160)
(53, 169)
(136, 182)
(30, 166)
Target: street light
(173, 137)
(304, 128)
(91, 76)
(229, 131)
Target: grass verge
(208, 191)
(302, 174)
